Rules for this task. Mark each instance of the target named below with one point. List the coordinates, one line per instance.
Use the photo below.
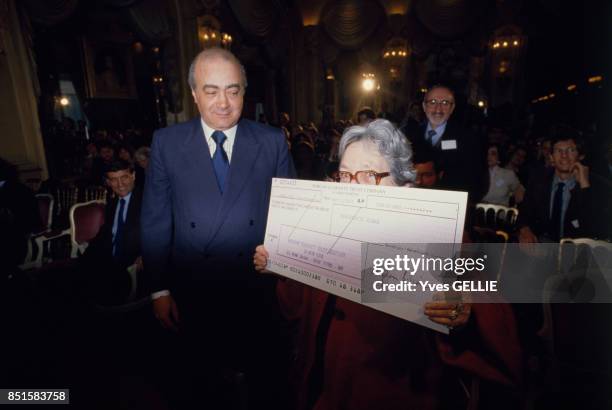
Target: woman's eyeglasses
(367, 177)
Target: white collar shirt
(228, 145)
(439, 131)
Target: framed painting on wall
(109, 69)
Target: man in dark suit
(461, 157)
(559, 202)
(116, 247)
(204, 212)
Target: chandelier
(396, 48)
(506, 42)
(210, 34)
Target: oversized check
(315, 233)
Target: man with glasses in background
(559, 202)
(461, 156)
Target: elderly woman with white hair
(352, 357)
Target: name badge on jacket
(449, 144)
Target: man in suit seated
(461, 156)
(428, 173)
(559, 202)
(116, 247)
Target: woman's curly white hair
(391, 143)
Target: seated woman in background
(352, 357)
(141, 159)
(503, 182)
(125, 152)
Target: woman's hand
(451, 314)
(260, 259)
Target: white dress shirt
(436, 137)
(228, 145)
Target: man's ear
(193, 94)
(440, 175)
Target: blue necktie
(430, 135)
(555, 216)
(219, 159)
(119, 230)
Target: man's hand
(165, 310)
(581, 173)
(526, 235)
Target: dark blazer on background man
(192, 231)
(109, 273)
(465, 167)
(534, 211)
(101, 247)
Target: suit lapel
(244, 154)
(198, 166)
(199, 175)
(446, 135)
(109, 221)
(133, 215)
(547, 188)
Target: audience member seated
(365, 116)
(125, 152)
(544, 151)
(559, 202)
(116, 248)
(428, 176)
(304, 158)
(427, 173)
(284, 122)
(353, 357)
(503, 182)
(295, 130)
(19, 217)
(141, 159)
(98, 169)
(91, 153)
(329, 164)
(516, 163)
